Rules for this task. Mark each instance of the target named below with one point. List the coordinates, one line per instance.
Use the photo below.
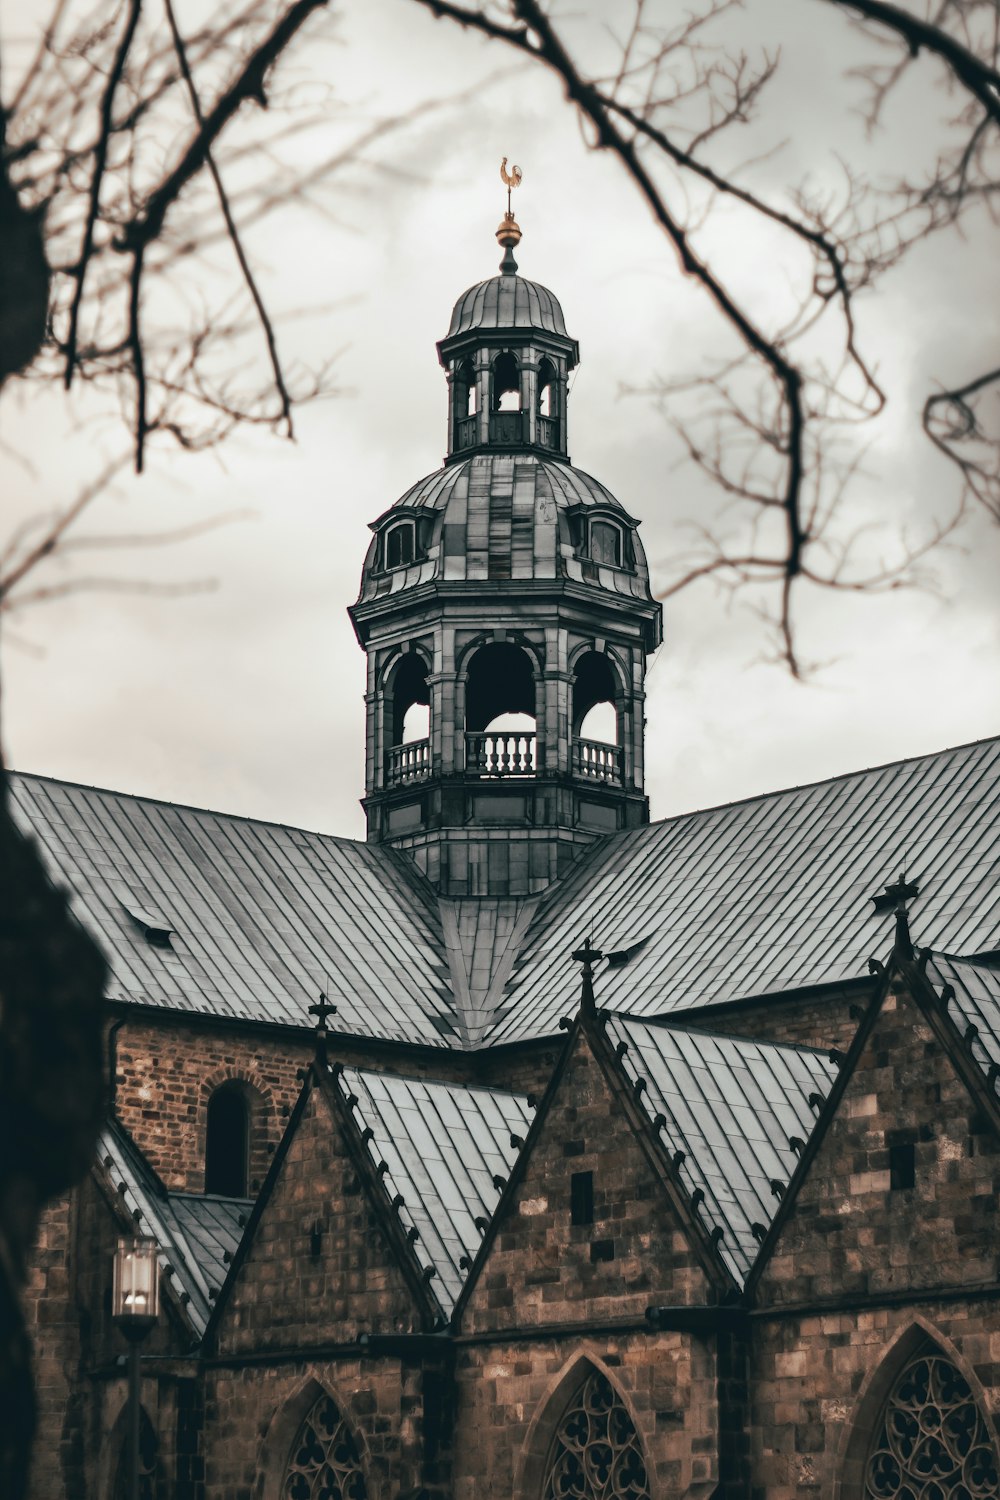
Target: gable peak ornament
(509, 233)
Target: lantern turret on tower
(506, 613)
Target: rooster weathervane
(511, 178)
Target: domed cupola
(505, 602)
(508, 358)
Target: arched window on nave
(595, 1453)
(931, 1440)
(227, 1142)
(324, 1463)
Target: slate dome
(511, 516)
(507, 302)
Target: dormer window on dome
(400, 544)
(401, 539)
(607, 543)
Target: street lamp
(135, 1305)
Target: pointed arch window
(595, 1452)
(931, 1439)
(324, 1463)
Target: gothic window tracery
(324, 1463)
(931, 1442)
(595, 1453)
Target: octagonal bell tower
(507, 617)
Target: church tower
(505, 609)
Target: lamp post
(135, 1305)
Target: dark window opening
(595, 716)
(227, 1143)
(500, 682)
(546, 389)
(581, 1198)
(902, 1171)
(506, 394)
(602, 1250)
(400, 544)
(606, 543)
(410, 700)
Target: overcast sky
(248, 698)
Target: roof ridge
(449, 1083)
(664, 1023)
(803, 786)
(215, 812)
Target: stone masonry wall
(252, 1416)
(543, 1272)
(511, 1397)
(854, 1248)
(291, 1293)
(542, 1268)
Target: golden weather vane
(509, 233)
(511, 178)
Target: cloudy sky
(248, 697)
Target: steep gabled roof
(207, 913)
(197, 1236)
(972, 1002)
(259, 917)
(443, 1152)
(728, 1110)
(772, 894)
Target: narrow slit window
(902, 1167)
(581, 1198)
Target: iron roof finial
(509, 233)
(588, 956)
(321, 1010)
(894, 898)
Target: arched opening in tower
(506, 394)
(546, 389)
(465, 390)
(595, 712)
(500, 711)
(411, 699)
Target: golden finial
(509, 233)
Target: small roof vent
(153, 925)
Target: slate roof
(973, 1005)
(505, 515)
(732, 1106)
(262, 917)
(507, 302)
(443, 1146)
(751, 899)
(771, 894)
(195, 1233)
